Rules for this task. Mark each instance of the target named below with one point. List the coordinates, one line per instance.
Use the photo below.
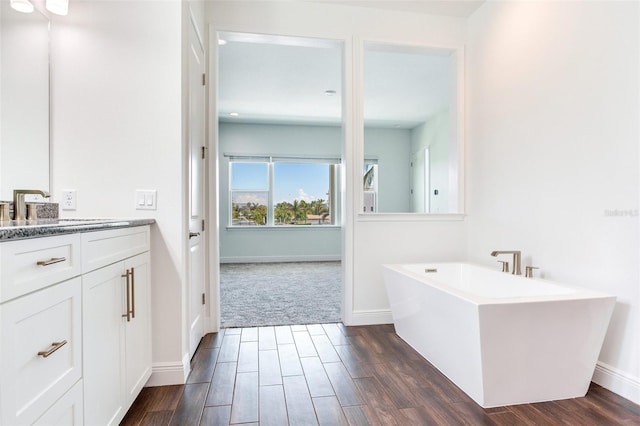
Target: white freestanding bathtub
(502, 339)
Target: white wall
(116, 127)
(553, 107)
(368, 241)
(275, 244)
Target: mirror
(411, 127)
(24, 101)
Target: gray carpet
(259, 294)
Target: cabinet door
(138, 329)
(41, 356)
(67, 411)
(103, 349)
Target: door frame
(212, 180)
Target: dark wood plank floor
(330, 374)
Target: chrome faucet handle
(4, 212)
(505, 265)
(528, 271)
(32, 211)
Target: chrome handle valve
(528, 271)
(505, 265)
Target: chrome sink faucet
(19, 206)
(516, 259)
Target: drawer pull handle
(127, 290)
(50, 261)
(133, 293)
(54, 347)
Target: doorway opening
(280, 144)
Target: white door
(196, 189)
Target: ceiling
(286, 80)
(272, 79)
(278, 79)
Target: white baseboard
(169, 373)
(617, 382)
(274, 259)
(372, 317)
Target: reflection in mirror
(24, 98)
(410, 130)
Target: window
(249, 193)
(284, 192)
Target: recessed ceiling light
(330, 92)
(234, 114)
(222, 42)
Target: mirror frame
(456, 180)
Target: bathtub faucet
(516, 259)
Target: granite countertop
(14, 230)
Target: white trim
(274, 259)
(371, 317)
(213, 196)
(169, 373)
(351, 174)
(282, 227)
(456, 178)
(411, 217)
(281, 158)
(346, 193)
(617, 381)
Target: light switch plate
(146, 199)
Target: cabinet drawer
(106, 247)
(29, 265)
(34, 374)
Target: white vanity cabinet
(40, 330)
(75, 326)
(116, 322)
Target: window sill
(410, 217)
(284, 228)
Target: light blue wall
(275, 244)
(434, 134)
(389, 146)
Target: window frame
(335, 174)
